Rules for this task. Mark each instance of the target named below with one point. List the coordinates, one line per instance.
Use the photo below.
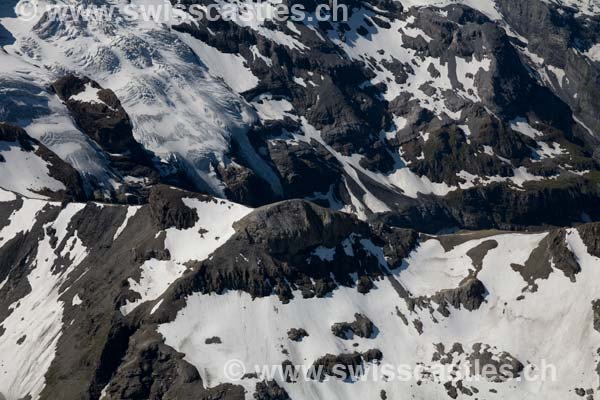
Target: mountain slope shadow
(7, 10)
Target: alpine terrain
(399, 203)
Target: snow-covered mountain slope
(125, 302)
(546, 329)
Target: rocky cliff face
(417, 185)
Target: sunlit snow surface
(25, 172)
(538, 327)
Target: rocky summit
(378, 199)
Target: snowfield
(536, 329)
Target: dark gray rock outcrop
(297, 334)
(596, 311)
(494, 366)
(590, 234)
(106, 122)
(278, 243)
(361, 326)
(346, 366)
(270, 390)
(168, 210)
(469, 294)
(552, 253)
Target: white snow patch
(559, 73)
(466, 71)
(156, 277)
(156, 307)
(24, 172)
(89, 95)
(270, 109)
(522, 126)
(487, 7)
(256, 53)
(7, 196)
(76, 300)
(230, 67)
(412, 184)
(131, 211)
(324, 253)
(21, 220)
(416, 32)
(549, 150)
(299, 81)
(594, 53)
(213, 229)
